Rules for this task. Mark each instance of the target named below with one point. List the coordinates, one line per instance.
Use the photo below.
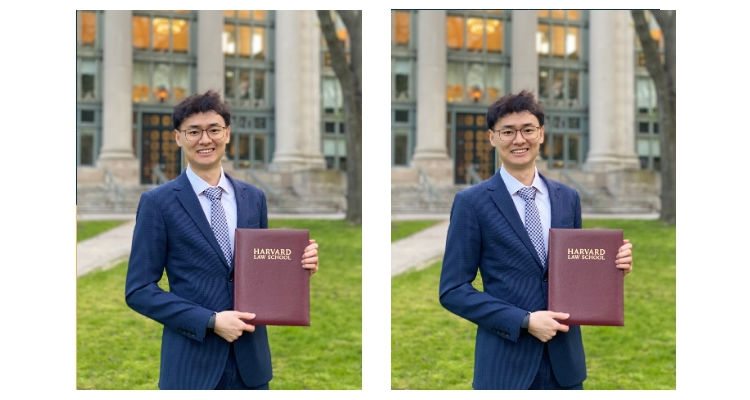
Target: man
(519, 343)
(186, 227)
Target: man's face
(204, 152)
(518, 153)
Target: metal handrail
(570, 180)
(112, 187)
(268, 190)
(424, 182)
(471, 175)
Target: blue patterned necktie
(533, 222)
(219, 222)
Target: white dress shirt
(227, 199)
(541, 199)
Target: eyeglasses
(214, 132)
(528, 132)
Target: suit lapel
(189, 201)
(500, 196)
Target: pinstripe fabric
(487, 234)
(172, 234)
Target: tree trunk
(349, 73)
(663, 74)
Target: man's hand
(624, 258)
(310, 257)
(230, 325)
(543, 324)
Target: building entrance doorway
(475, 156)
(160, 155)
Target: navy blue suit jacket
(173, 234)
(486, 233)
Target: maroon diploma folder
(583, 279)
(269, 280)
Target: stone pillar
(430, 154)
(297, 94)
(117, 150)
(524, 68)
(210, 55)
(612, 92)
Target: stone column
(430, 154)
(117, 151)
(297, 83)
(210, 55)
(612, 92)
(524, 68)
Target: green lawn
(402, 229)
(432, 348)
(119, 349)
(88, 229)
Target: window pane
(229, 13)
(87, 116)
(229, 84)
(161, 34)
(88, 27)
(574, 15)
(454, 32)
(259, 86)
(543, 83)
(243, 14)
(401, 116)
(88, 80)
(572, 85)
(474, 33)
(180, 32)
(494, 82)
(228, 40)
(558, 41)
(573, 148)
(543, 13)
(494, 35)
(181, 80)
(141, 82)
(401, 71)
(244, 147)
(259, 14)
(259, 43)
(332, 94)
(558, 79)
(244, 41)
(475, 81)
(141, 32)
(161, 81)
(403, 25)
(454, 91)
(542, 40)
(259, 148)
(645, 93)
(244, 86)
(400, 149)
(87, 149)
(572, 43)
(558, 14)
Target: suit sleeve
(148, 257)
(460, 264)
(263, 211)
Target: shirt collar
(514, 185)
(199, 185)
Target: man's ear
(177, 138)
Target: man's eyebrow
(512, 126)
(198, 126)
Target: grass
(402, 229)
(432, 348)
(118, 348)
(89, 229)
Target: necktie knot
(213, 193)
(527, 193)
